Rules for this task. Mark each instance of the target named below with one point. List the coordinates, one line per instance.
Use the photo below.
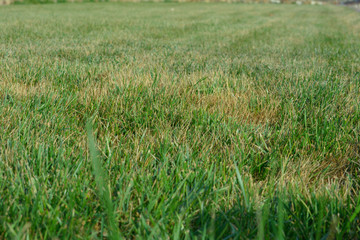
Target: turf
(179, 121)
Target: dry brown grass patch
(23, 90)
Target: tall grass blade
(241, 184)
(101, 184)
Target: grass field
(179, 121)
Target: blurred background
(354, 3)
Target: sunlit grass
(209, 120)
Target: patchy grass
(203, 121)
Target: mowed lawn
(179, 121)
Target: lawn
(179, 121)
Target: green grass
(179, 121)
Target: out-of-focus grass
(211, 120)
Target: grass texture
(179, 121)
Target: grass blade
(101, 184)
(238, 175)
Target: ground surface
(211, 120)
